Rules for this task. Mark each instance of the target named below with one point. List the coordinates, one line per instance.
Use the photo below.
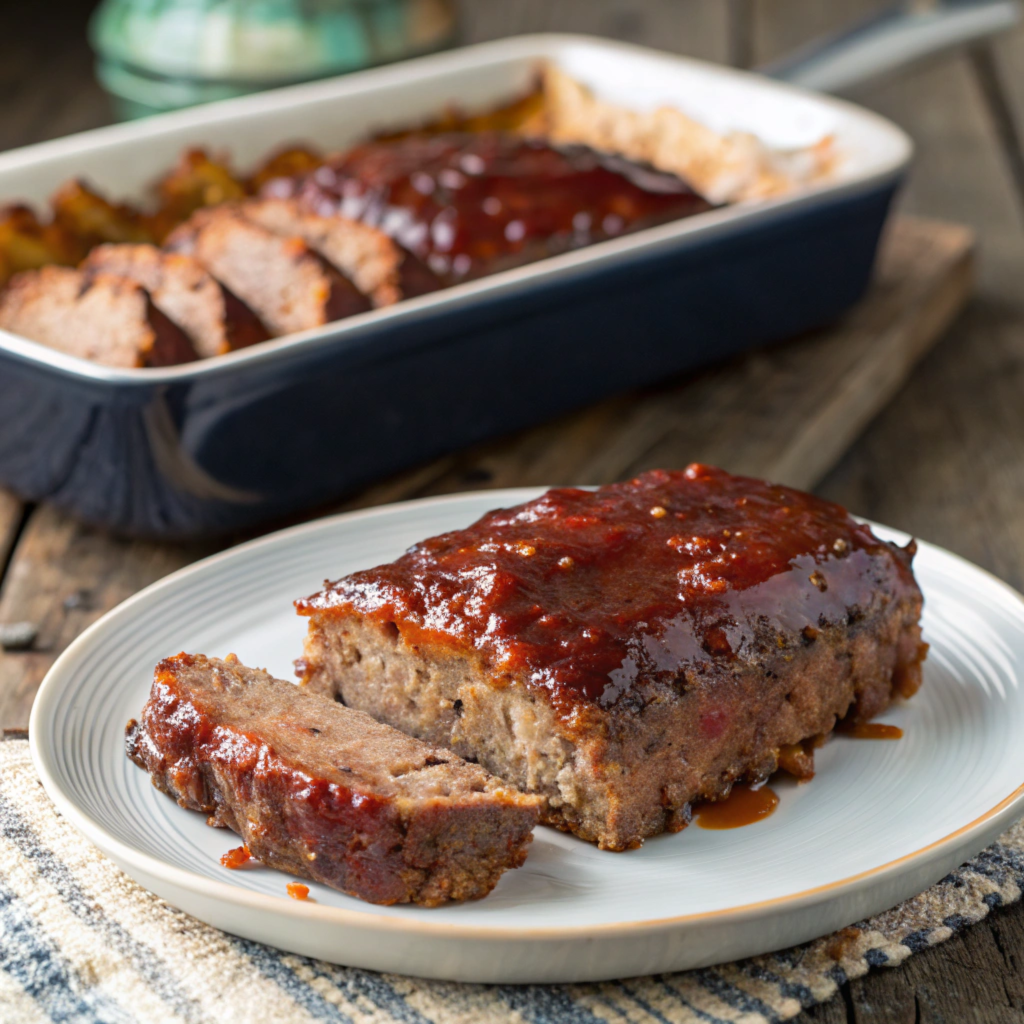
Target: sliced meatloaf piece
(281, 278)
(298, 197)
(325, 792)
(626, 651)
(215, 319)
(100, 317)
(366, 256)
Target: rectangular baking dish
(228, 443)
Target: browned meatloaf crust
(107, 319)
(214, 318)
(325, 792)
(626, 651)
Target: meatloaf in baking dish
(369, 258)
(215, 319)
(281, 278)
(470, 204)
(626, 651)
(108, 319)
(325, 792)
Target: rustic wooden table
(944, 460)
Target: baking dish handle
(891, 40)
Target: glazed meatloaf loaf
(325, 792)
(626, 651)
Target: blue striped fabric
(80, 942)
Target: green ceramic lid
(162, 54)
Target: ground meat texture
(370, 259)
(289, 286)
(325, 792)
(626, 651)
(102, 317)
(385, 272)
(213, 317)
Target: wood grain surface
(944, 460)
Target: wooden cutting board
(786, 413)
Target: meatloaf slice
(626, 651)
(292, 198)
(366, 256)
(215, 319)
(325, 792)
(282, 279)
(100, 317)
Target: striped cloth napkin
(81, 942)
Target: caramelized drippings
(743, 806)
(236, 858)
(298, 891)
(869, 730)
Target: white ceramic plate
(880, 822)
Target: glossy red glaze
(304, 810)
(186, 739)
(585, 592)
(471, 203)
(869, 731)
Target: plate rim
(239, 896)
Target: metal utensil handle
(891, 40)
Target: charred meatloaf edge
(615, 774)
(325, 792)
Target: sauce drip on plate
(743, 806)
(870, 731)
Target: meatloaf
(325, 792)
(626, 651)
(289, 286)
(213, 317)
(107, 319)
(468, 204)
(363, 254)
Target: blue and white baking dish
(241, 439)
